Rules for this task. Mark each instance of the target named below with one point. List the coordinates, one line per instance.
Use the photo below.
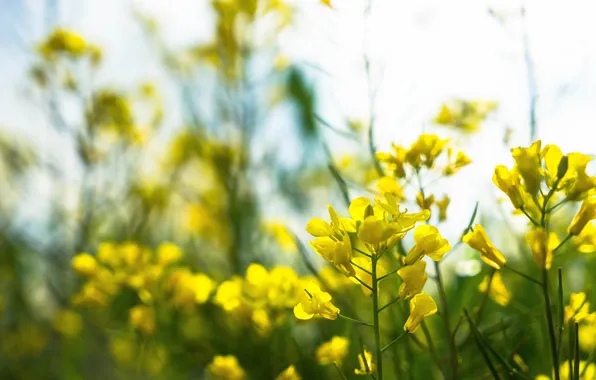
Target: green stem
(361, 268)
(569, 236)
(376, 326)
(522, 274)
(529, 217)
(431, 347)
(363, 283)
(393, 341)
(576, 371)
(550, 323)
(389, 304)
(445, 315)
(355, 320)
(560, 316)
(481, 347)
(339, 371)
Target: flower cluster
(464, 115)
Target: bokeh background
(230, 167)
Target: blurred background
(193, 138)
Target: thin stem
(445, 315)
(550, 323)
(569, 236)
(551, 209)
(376, 326)
(355, 320)
(393, 341)
(522, 274)
(529, 217)
(364, 283)
(361, 268)
(481, 347)
(389, 304)
(560, 319)
(388, 274)
(576, 371)
(364, 253)
(431, 347)
(339, 371)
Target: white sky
(422, 53)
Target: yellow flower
(375, 231)
(107, 253)
(453, 167)
(542, 246)
(229, 294)
(498, 291)
(333, 351)
(315, 303)
(464, 115)
(552, 159)
(587, 212)
(442, 206)
(425, 202)
(67, 323)
(527, 161)
(402, 222)
(332, 241)
(262, 322)
(395, 161)
(389, 185)
(414, 277)
(478, 240)
(84, 264)
(367, 367)
(587, 368)
(281, 234)
(578, 184)
(226, 368)
(587, 333)
(509, 183)
(586, 240)
(289, 373)
(421, 306)
(335, 280)
(63, 41)
(425, 150)
(285, 288)
(578, 308)
(189, 289)
(123, 350)
(142, 318)
(429, 242)
(168, 253)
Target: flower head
(542, 245)
(587, 212)
(421, 306)
(226, 368)
(315, 303)
(425, 150)
(509, 182)
(366, 365)
(414, 277)
(429, 242)
(586, 240)
(333, 351)
(496, 289)
(578, 308)
(289, 373)
(478, 240)
(527, 161)
(84, 264)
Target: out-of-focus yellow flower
(168, 253)
(327, 3)
(395, 161)
(478, 240)
(453, 167)
(542, 245)
(414, 277)
(465, 115)
(256, 284)
(333, 351)
(289, 373)
(63, 41)
(189, 289)
(421, 306)
(429, 242)
(335, 280)
(332, 241)
(123, 350)
(281, 234)
(425, 150)
(527, 161)
(90, 295)
(280, 62)
(509, 182)
(586, 213)
(520, 363)
(67, 322)
(579, 183)
(498, 291)
(84, 264)
(229, 294)
(587, 333)
(261, 321)
(389, 185)
(587, 368)
(586, 240)
(442, 206)
(366, 365)
(226, 368)
(107, 253)
(142, 318)
(578, 308)
(425, 202)
(285, 287)
(315, 303)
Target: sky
(421, 53)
